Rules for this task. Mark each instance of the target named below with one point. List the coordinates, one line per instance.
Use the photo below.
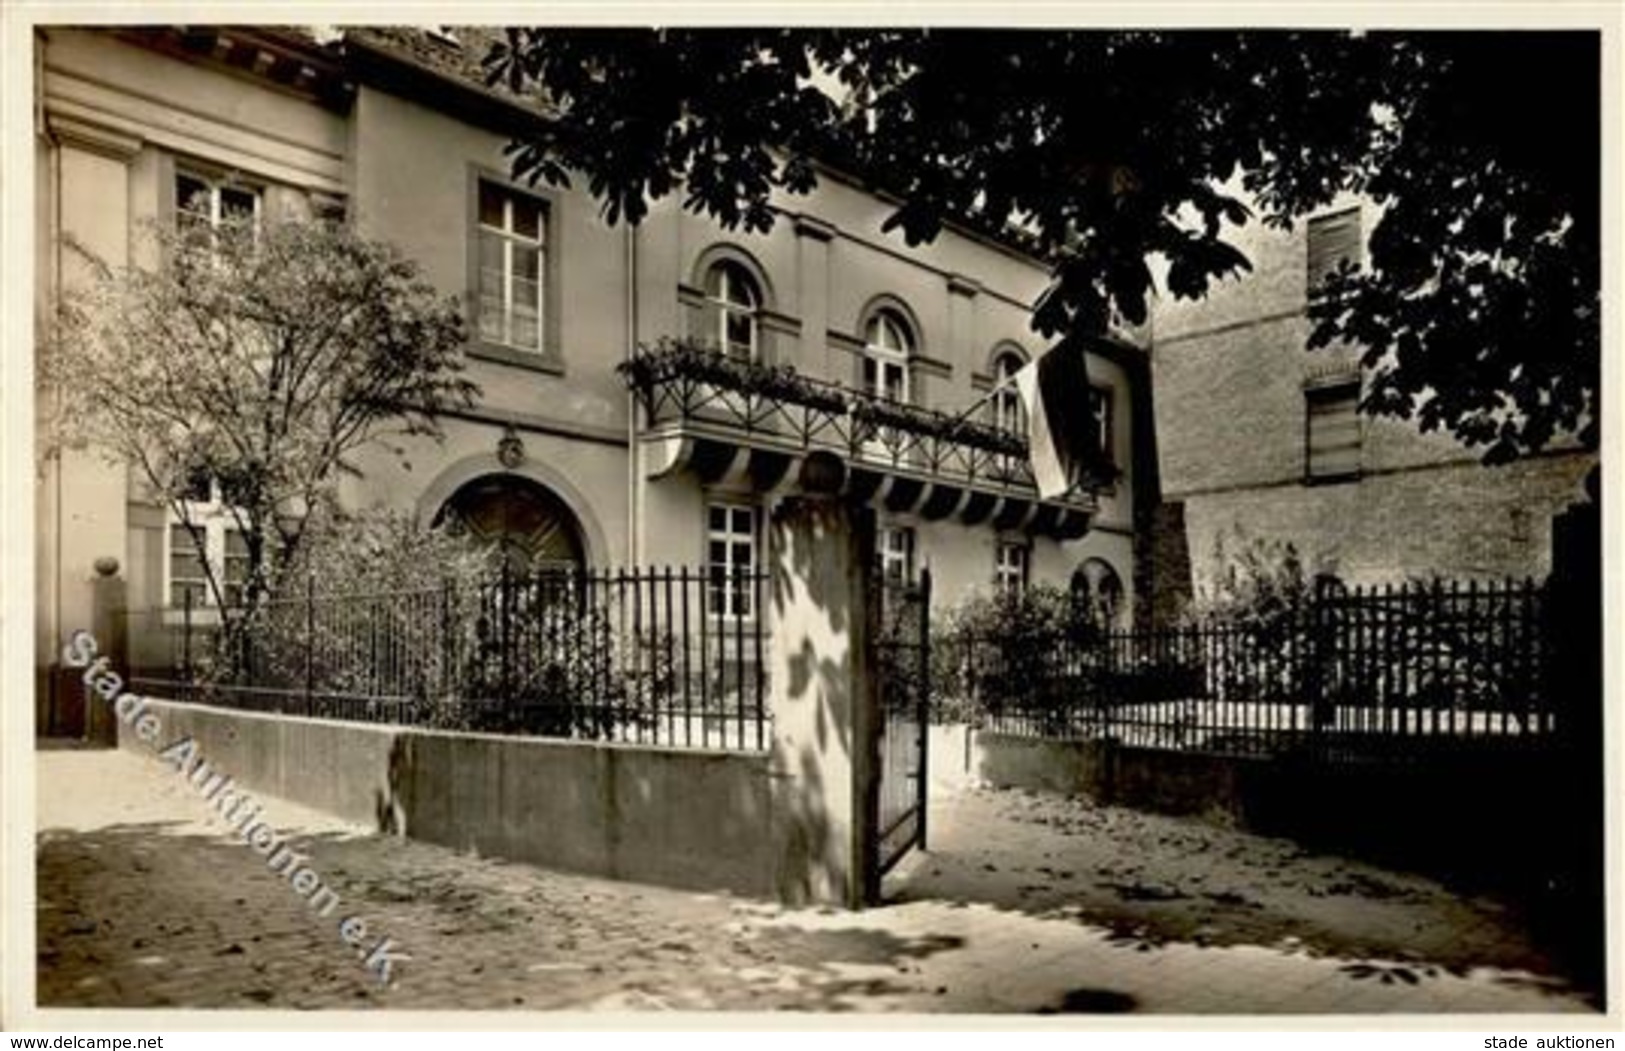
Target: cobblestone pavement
(1156, 880)
(143, 903)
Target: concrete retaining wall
(681, 818)
(1479, 810)
(1212, 787)
(1066, 767)
(950, 759)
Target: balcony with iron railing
(722, 416)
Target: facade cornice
(285, 60)
(387, 69)
(92, 137)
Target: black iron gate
(902, 662)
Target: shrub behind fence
(1366, 668)
(660, 656)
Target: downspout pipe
(633, 542)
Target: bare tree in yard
(259, 359)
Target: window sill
(204, 616)
(544, 361)
(1331, 479)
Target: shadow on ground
(1153, 880)
(146, 915)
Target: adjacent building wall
(117, 117)
(1229, 373)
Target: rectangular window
(512, 267)
(205, 202)
(235, 559)
(1010, 568)
(1332, 431)
(897, 554)
(1333, 239)
(224, 549)
(187, 577)
(731, 559)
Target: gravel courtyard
(1024, 904)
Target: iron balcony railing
(683, 384)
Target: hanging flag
(1062, 439)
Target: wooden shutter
(1332, 239)
(1333, 431)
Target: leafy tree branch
(261, 359)
(1104, 151)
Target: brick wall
(1461, 521)
(1229, 374)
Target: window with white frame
(1010, 567)
(888, 345)
(896, 545)
(513, 266)
(188, 579)
(1009, 414)
(212, 543)
(731, 559)
(204, 202)
(732, 302)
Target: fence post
(1572, 611)
(825, 725)
(448, 651)
(186, 643)
(1322, 649)
(310, 643)
(504, 631)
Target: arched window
(1097, 594)
(1009, 414)
(732, 301)
(888, 346)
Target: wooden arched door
(528, 523)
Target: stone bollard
(109, 623)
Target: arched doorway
(528, 523)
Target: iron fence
(902, 670)
(669, 656)
(1363, 670)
